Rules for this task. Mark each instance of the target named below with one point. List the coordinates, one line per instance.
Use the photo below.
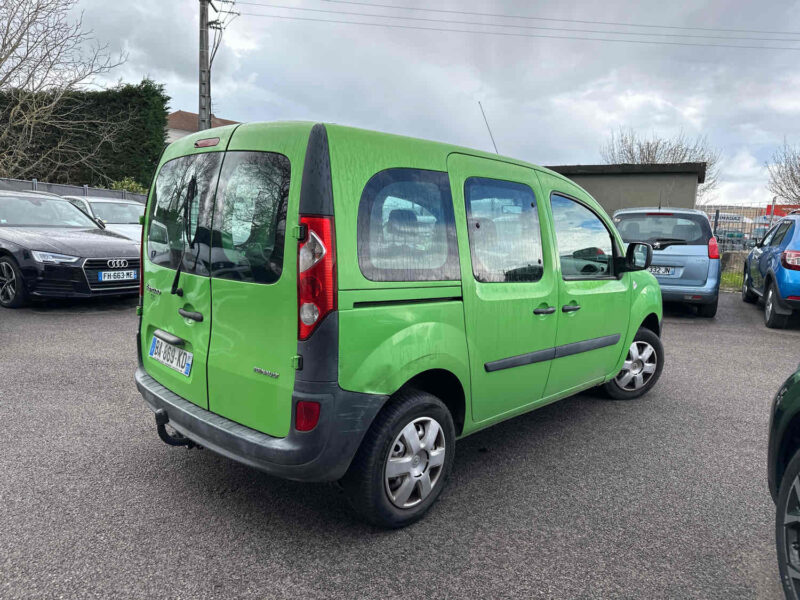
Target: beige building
(181, 123)
(631, 186)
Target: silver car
(119, 216)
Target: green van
(326, 303)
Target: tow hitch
(173, 440)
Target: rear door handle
(188, 314)
(570, 307)
(165, 336)
(544, 311)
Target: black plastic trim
(316, 192)
(165, 336)
(320, 352)
(402, 302)
(551, 353)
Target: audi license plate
(171, 356)
(661, 270)
(116, 275)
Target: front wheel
(747, 294)
(12, 287)
(787, 529)
(403, 462)
(641, 369)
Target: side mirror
(637, 258)
(100, 222)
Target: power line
(584, 22)
(524, 35)
(540, 27)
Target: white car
(119, 216)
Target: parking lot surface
(662, 497)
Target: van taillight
(316, 274)
(713, 248)
(791, 259)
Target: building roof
(187, 121)
(697, 168)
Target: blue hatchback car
(772, 272)
(685, 253)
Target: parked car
(119, 216)
(685, 253)
(347, 304)
(49, 248)
(772, 272)
(783, 476)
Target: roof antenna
(487, 127)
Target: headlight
(52, 257)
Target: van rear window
(689, 229)
(406, 227)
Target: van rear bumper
(323, 454)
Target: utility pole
(204, 107)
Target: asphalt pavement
(662, 497)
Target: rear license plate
(661, 270)
(175, 358)
(116, 275)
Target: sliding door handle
(188, 314)
(549, 310)
(570, 307)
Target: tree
(784, 173)
(627, 147)
(45, 55)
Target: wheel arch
(652, 323)
(788, 445)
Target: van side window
(183, 183)
(250, 217)
(406, 227)
(504, 235)
(585, 246)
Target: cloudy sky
(549, 101)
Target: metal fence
(738, 229)
(26, 185)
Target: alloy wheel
(789, 551)
(8, 283)
(639, 366)
(415, 462)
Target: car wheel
(787, 529)
(771, 318)
(12, 287)
(708, 310)
(642, 367)
(747, 294)
(403, 462)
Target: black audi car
(50, 248)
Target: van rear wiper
(664, 242)
(191, 190)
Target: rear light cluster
(316, 274)
(713, 248)
(790, 259)
(306, 415)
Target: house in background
(181, 123)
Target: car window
(118, 212)
(504, 234)
(780, 233)
(187, 182)
(769, 235)
(406, 227)
(585, 246)
(690, 229)
(249, 229)
(41, 211)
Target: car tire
(12, 286)
(787, 535)
(708, 310)
(633, 380)
(771, 318)
(748, 295)
(412, 429)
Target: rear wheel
(403, 462)
(12, 287)
(771, 318)
(787, 529)
(641, 369)
(708, 310)
(747, 294)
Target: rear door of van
(253, 282)
(176, 326)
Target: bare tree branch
(625, 146)
(784, 173)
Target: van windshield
(665, 227)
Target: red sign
(781, 210)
